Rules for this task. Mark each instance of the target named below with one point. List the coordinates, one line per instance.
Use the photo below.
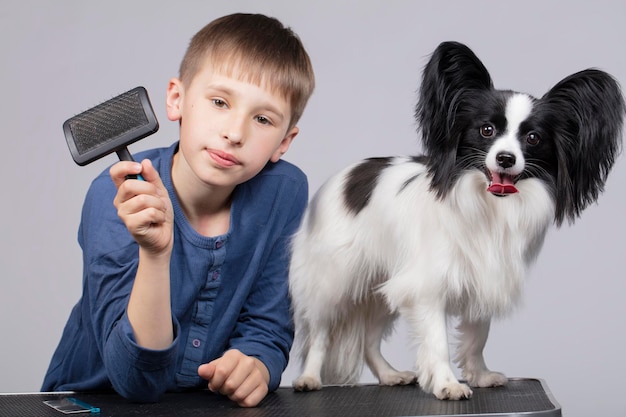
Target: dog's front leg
(473, 337)
(428, 322)
(311, 379)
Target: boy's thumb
(206, 370)
(148, 172)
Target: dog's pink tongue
(501, 184)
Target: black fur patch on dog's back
(361, 181)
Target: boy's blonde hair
(257, 49)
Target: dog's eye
(487, 130)
(533, 138)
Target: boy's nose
(234, 138)
(233, 131)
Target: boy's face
(229, 129)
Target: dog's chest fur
(471, 247)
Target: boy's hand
(144, 206)
(241, 378)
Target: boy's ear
(174, 99)
(284, 144)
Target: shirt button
(218, 244)
(196, 343)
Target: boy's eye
(263, 120)
(218, 102)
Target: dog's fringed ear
(451, 77)
(587, 136)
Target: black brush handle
(125, 155)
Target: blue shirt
(227, 292)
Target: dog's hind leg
(473, 337)
(379, 321)
(427, 320)
(310, 379)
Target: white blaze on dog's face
(505, 159)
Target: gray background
(59, 58)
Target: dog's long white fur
(409, 253)
(451, 232)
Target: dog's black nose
(505, 159)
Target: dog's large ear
(588, 112)
(451, 77)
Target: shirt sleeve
(265, 327)
(110, 265)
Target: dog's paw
(486, 379)
(398, 378)
(307, 383)
(454, 391)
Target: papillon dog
(452, 232)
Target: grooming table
(527, 397)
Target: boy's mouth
(223, 159)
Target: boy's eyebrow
(219, 88)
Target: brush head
(110, 126)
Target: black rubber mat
(529, 397)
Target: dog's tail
(345, 353)
(344, 357)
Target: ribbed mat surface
(521, 396)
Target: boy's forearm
(149, 305)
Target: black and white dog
(451, 232)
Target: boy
(187, 281)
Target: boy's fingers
(236, 376)
(148, 172)
(222, 373)
(253, 398)
(206, 370)
(152, 208)
(120, 170)
(152, 183)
